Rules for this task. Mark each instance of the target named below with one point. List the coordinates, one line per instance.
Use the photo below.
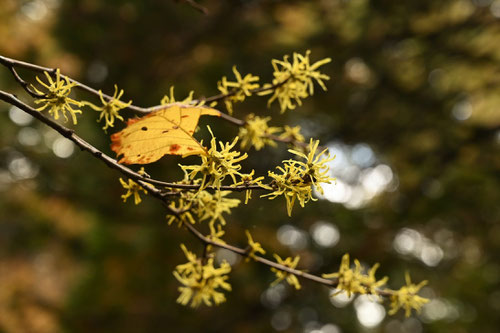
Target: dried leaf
(166, 131)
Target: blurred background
(411, 113)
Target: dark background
(412, 112)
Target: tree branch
(160, 195)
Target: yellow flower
(254, 247)
(201, 280)
(282, 275)
(297, 178)
(56, 99)
(216, 164)
(291, 185)
(406, 297)
(237, 91)
(109, 109)
(315, 166)
(293, 81)
(349, 280)
(202, 206)
(256, 132)
(353, 281)
(211, 206)
(208, 206)
(133, 189)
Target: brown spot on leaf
(144, 128)
(165, 131)
(174, 148)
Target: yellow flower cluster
(282, 275)
(238, 90)
(293, 81)
(256, 132)
(354, 281)
(216, 164)
(204, 206)
(253, 247)
(211, 206)
(56, 99)
(297, 178)
(315, 167)
(406, 297)
(201, 280)
(110, 109)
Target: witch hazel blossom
(109, 110)
(296, 179)
(57, 99)
(201, 281)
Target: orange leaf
(166, 131)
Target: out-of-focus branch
(195, 5)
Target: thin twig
(25, 84)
